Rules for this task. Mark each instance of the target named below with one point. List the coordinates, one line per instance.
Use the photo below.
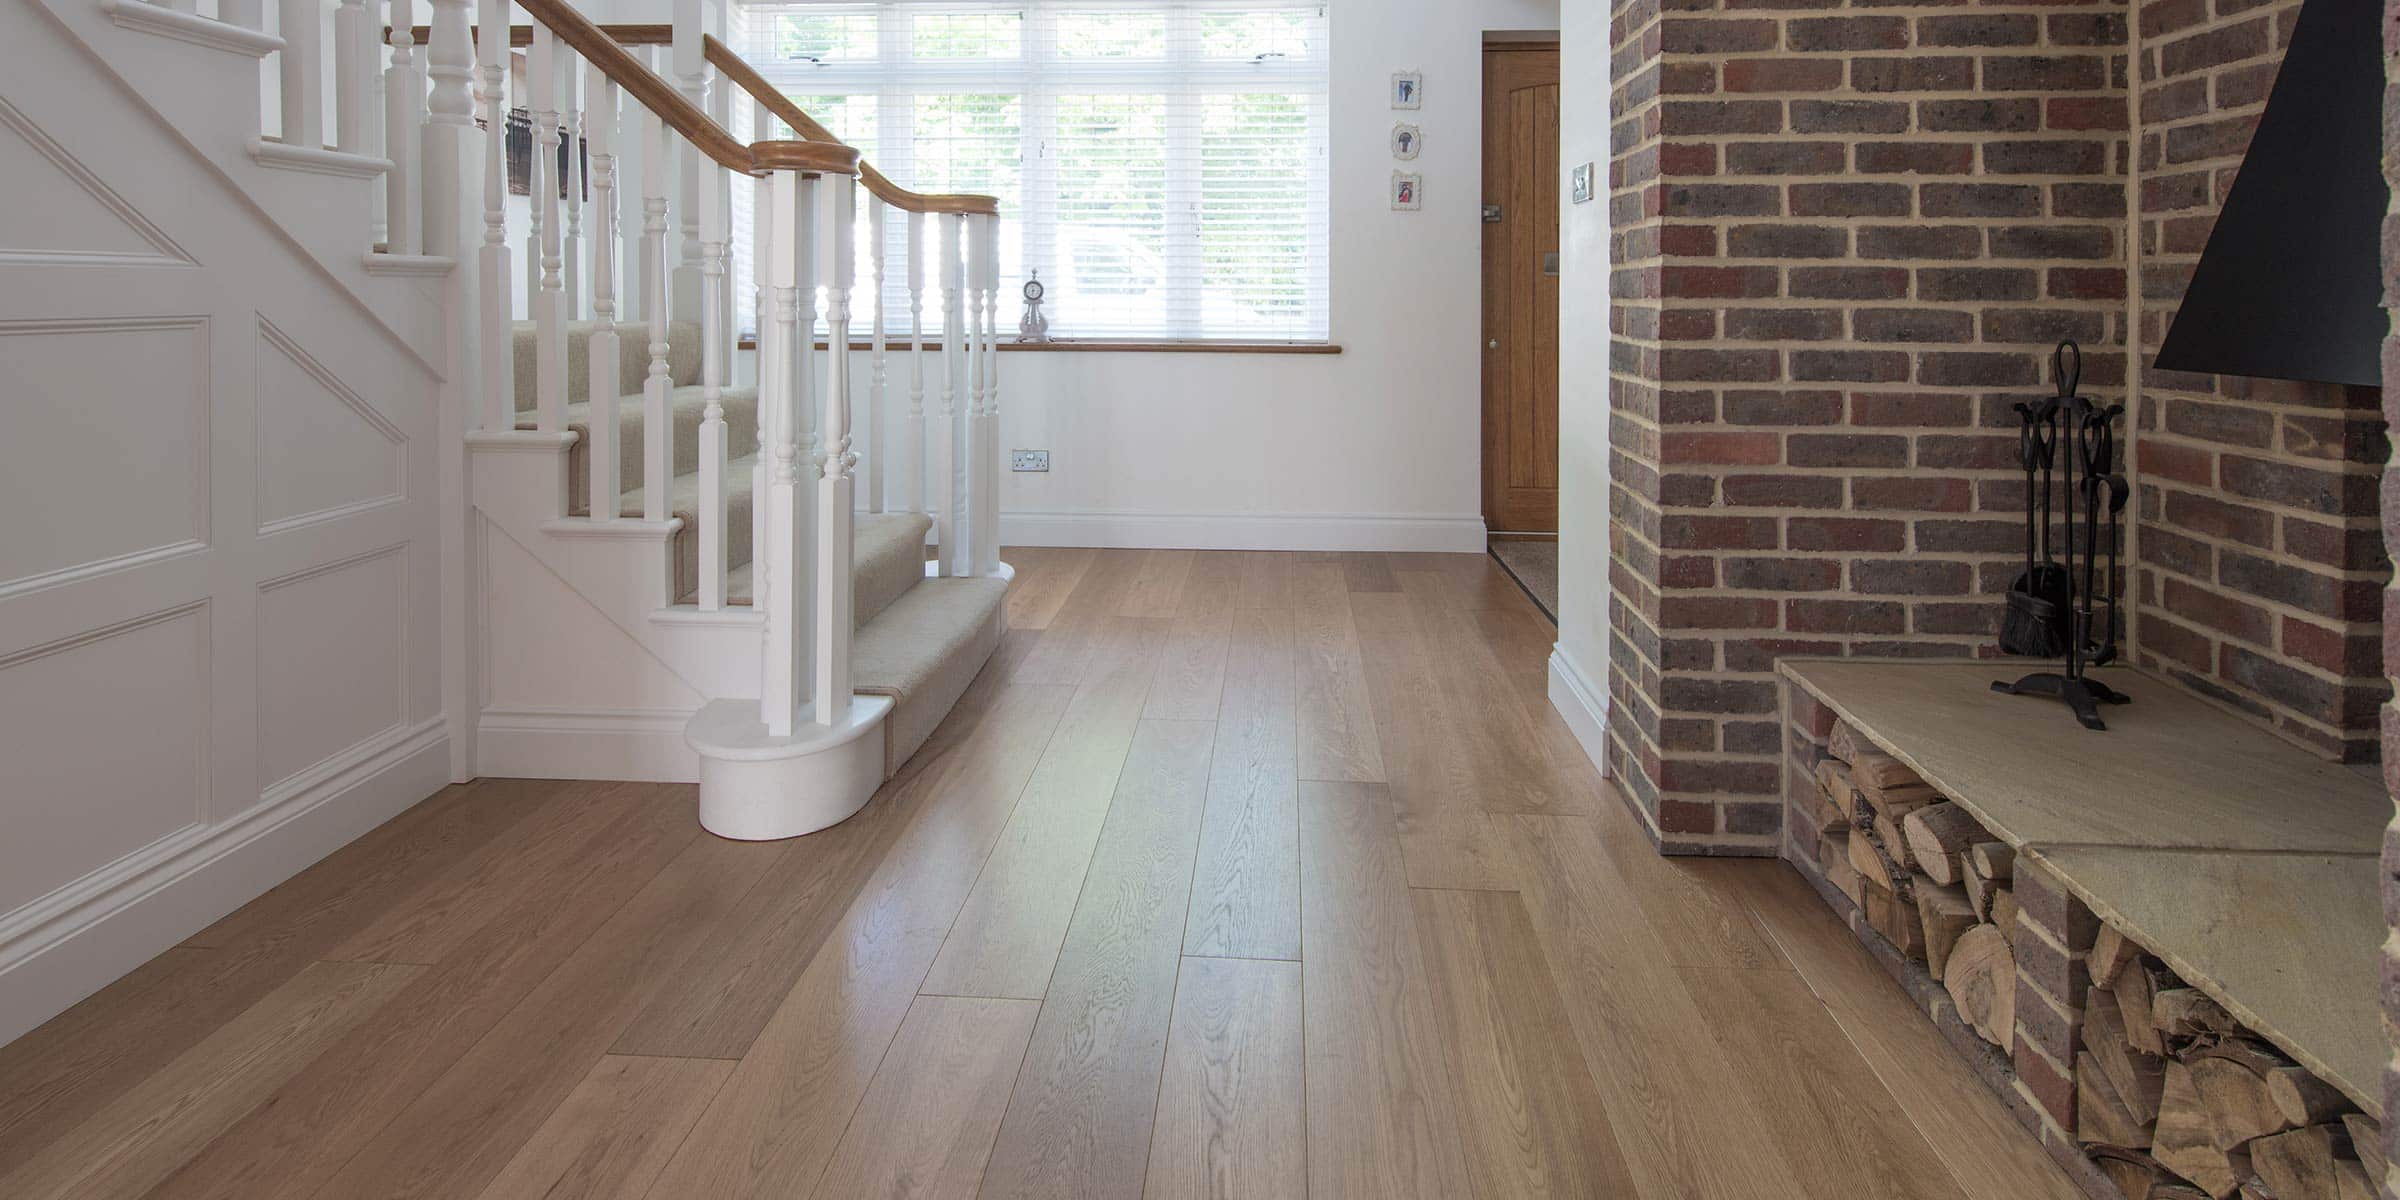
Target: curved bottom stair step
(923, 650)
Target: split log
(2299, 1165)
(2233, 1088)
(1833, 852)
(1828, 813)
(1995, 861)
(1895, 917)
(1833, 776)
(1871, 768)
(2004, 911)
(2304, 1099)
(2137, 1077)
(1869, 860)
(1843, 743)
(1893, 804)
(1945, 915)
(2133, 1172)
(2136, 984)
(1980, 891)
(1981, 977)
(2366, 1141)
(2188, 1012)
(2350, 1179)
(2175, 1191)
(2101, 1117)
(2109, 953)
(1936, 835)
(2185, 1142)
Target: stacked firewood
(2175, 1100)
(1929, 878)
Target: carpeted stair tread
(923, 651)
(889, 552)
(633, 358)
(685, 407)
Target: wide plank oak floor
(1236, 874)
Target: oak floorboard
(1534, 1122)
(1336, 718)
(1213, 583)
(1382, 1118)
(1232, 1107)
(924, 1131)
(611, 1136)
(62, 1072)
(1266, 580)
(1989, 1154)
(1071, 636)
(1079, 1119)
(1700, 918)
(1686, 1113)
(1006, 937)
(1157, 588)
(1045, 577)
(1191, 677)
(1246, 884)
(1503, 748)
(126, 1148)
(773, 1126)
(1368, 572)
(452, 1139)
(291, 1145)
(1822, 1102)
(1446, 838)
(745, 965)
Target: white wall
(1376, 448)
(1583, 355)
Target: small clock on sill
(1034, 327)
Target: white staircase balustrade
(658, 447)
(499, 408)
(403, 136)
(601, 116)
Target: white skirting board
(1583, 704)
(1243, 531)
(67, 945)
(642, 745)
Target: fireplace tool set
(2067, 607)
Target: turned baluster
(712, 378)
(601, 414)
(499, 374)
(353, 62)
(303, 69)
(687, 58)
(836, 491)
(248, 14)
(403, 130)
(941, 442)
(877, 348)
(984, 508)
(571, 133)
(915, 458)
(658, 432)
(550, 301)
(771, 351)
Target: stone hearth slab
(2170, 772)
(2286, 942)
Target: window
(1161, 163)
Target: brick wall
(2260, 558)
(1849, 234)
(2389, 1186)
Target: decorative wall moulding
(1407, 140)
(1408, 89)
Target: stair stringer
(621, 568)
(209, 99)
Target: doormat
(1534, 565)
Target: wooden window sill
(1103, 345)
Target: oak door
(1520, 288)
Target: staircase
(778, 589)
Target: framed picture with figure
(1406, 139)
(1407, 190)
(1408, 89)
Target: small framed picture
(1408, 89)
(1406, 138)
(1407, 191)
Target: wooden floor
(1236, 874)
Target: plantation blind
(1162, 165)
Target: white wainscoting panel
(59, 211)
(332, 642)
(83, 793)
(539, 636)
(323, 451)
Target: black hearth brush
(2035, 622)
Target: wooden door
(1520, 288)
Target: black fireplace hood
(2289, 286)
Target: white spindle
(658, 434)
(712, 380)
(877, 450)
(786, 669)
(499, 373)
(687, 58)
(248, 14)
(403, 132)
(770, 360)
(941, 443)
(539, 173)
(836, 491)
(550, 302)
(571, 132)
(983, 508)
(303, 70)
(601, 116)
(353, 61)
(915, 459)
(449, 121)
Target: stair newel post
(807, 233)
(658, 433)
(984, 509)
(777, 592)
(601, 114)
(499, 377)
(570, 126)
(836, 490)
(353, 59)
(915, 462)
(549, 301)
(302, 71)
(877, 348)
(712, 381)
(403, 127)
(941, 444)
(687, 59)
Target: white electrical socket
(1028, 460)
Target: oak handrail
(828, 157)
(740, 71)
